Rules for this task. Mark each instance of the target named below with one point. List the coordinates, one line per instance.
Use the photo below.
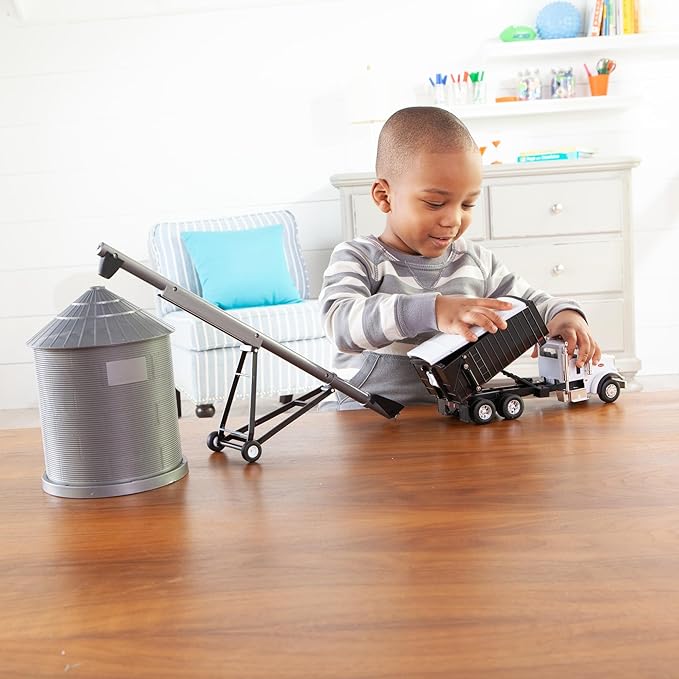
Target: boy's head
(428, 179)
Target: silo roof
(98, 318)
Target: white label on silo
(126, 371)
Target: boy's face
(429, 204)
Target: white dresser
(563, 226)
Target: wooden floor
(361, 547)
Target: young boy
(383, 295)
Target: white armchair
(204, 358)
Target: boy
(383, 295)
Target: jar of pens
(598, 81)
(459, 89)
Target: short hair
(416, 129)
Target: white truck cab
(601, 378)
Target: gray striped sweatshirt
(377, 303)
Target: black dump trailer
(458, 380)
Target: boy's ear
(380, 194)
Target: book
(629, 16)
(595, 10)
(606, 18)
(554, 154)
(613, 16)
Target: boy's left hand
(573, 328)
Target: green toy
(517, 33)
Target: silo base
(113, 489)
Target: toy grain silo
(107, 399)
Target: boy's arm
(355, 319)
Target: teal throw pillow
(245, 268)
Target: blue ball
(559, 20)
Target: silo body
(107, 399)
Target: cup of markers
(598, 81)
(478, 87)
(438, 82)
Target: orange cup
(598, 84)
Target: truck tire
(511, 407)
(608, 390)
(483, 411)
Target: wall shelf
(544, 106)
(533, 108)
(496, 49)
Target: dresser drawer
(606, 318)
(566, 268)
(556, 208)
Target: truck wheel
(511, 407)
(608, 390)
(483, 411)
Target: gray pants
(390, 376)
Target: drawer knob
(556, 209)
(558, 269)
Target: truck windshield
(548, 352)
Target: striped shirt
(377, 303)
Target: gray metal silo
(107, 399)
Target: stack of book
(554, 154)
(612, 17)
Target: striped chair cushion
(284, 323)
(170, 258)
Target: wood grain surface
(360, 547)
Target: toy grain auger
(244, 438)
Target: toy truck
(458, 372)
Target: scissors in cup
(605, 66)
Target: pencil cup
(459, 93)
(440, 98)
(478, 93)
(598, 84)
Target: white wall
(110, 123)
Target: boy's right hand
(456, 315)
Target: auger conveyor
(252, 340)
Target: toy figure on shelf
(518, 34)
(490, 155)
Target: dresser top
(600, 164)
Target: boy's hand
(456, 315)
(573, 328)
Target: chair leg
(205, 410)
(285, 398)
(178, 396)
